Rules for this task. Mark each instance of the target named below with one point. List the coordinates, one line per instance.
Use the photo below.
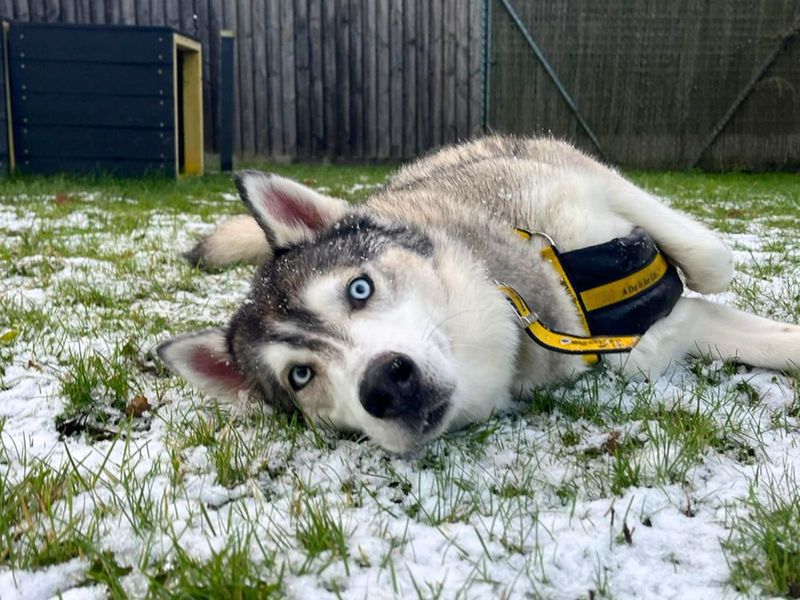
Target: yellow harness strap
(550, 256)
(587, 346)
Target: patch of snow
(450, 528)
(46, 583)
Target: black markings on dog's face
(276, 314)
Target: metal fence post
(743, 94)
(486, 63)
(552, 74)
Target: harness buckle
(528, 319)
(525, 314)
(546, 237)
(527, 234)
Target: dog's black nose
(390, 387)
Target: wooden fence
(661, 84)
(321, 78)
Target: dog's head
(365, 324)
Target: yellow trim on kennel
(191, 93)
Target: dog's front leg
(697, 326)
(705, 259)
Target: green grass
(764, 546)
(220, 501)
(729, 201)
(37, 528)
(124, 199)
(98, 391)
(320, 532)
(231, 572)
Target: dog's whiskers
(466, 345)
(448, 318)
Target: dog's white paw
(638, 365)
(709, 266)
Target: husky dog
(386, 318)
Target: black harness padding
(633, 314)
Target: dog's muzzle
(393, 388)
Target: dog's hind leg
(697, 326)
(239, 239)
(704, 258)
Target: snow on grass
(118, 480)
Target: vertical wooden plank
(303, 77)
(356, 80)
(188, 24)
(142, 12)
(317, 97)
(118, 10)
(370, 80)
(201, 11)
(462, 68)
(410, 34)
(158, 12)
(143, 16)
(384, 91)
(274, 79)
(37, 10)
(228, 15)
(214, 62)
(52, 11)
(128, 11)
(83, 11)
(6, 9)
(261, 104)
(343, 76)
(205, 35)
(475, 53)
(114, 11)
(230, 21)
(436, 79)
(69, 9)
(22, 10)
(173, 14)
(449, 101)
(396, 77)
(329, 79)
(98, 11)
(288, 78)
(423, 123)
(245, 39)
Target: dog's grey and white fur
(386, 319)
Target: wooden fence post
(226, 100)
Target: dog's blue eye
(359, 290)
(300, 376)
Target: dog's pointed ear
(202, 359)
(287, 211)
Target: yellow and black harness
(619, 288)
